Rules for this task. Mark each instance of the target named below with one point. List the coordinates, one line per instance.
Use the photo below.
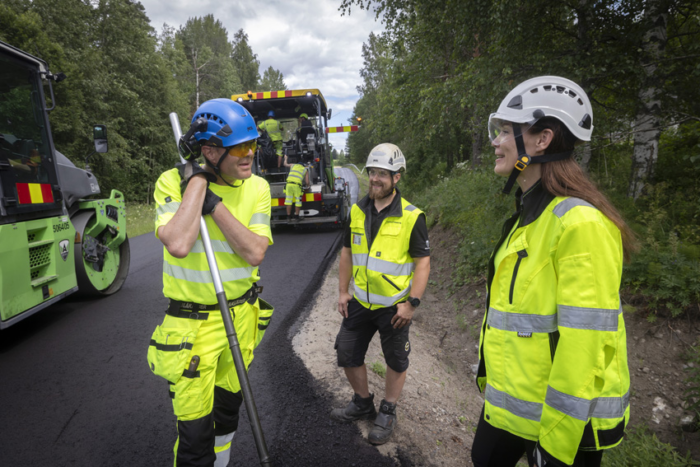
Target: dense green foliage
(123, 74)
(430, 82)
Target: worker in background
(297, 179)
(273, 129)
(552, 352)
(387, 253)
(305, 128)
(190, 348)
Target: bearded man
(387, 253)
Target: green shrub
(666, 271)
(643, 449)
(470, 201)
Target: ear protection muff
(189, 147)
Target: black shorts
(357, 331)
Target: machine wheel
(100, 271)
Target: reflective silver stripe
(204, 277)
(295, 175)
(168, 207)
(382, 300)
(568, 204)
(583, 409)
(410, 207)
(521, 322)
(223, 440)
(219, 246)
(595, 319)
(611, 407)
(519, 407)
(259, 218)
(387, 267)
(359, 259)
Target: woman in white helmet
(552, 352)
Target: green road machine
(53, 240)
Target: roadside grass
(139, 219)
(378, 368)
(361, 178)
(641, 448)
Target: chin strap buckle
(522, 162)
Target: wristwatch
(413, 301)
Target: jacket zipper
(387, 279)
(521, 254)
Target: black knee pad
(226, 410)
(397, 356)
(195, 444)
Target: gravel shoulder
(440, 404)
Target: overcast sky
(307, 40)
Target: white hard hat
(546, 96)
(386, 156)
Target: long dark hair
(567, 178)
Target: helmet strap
(217, 170)
(524, 159)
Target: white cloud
(308, 41)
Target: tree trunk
(477, 138)
(585, 156)
(648, 119)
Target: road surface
(76, 389)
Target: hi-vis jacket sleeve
(588, 264)
(167, 196)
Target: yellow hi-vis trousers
(206, 400)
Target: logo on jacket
(379, 253)
(524, 334)
(407, 346)
(63, 249)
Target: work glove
(192, 168)
(210, 202)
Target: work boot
(293, 219)
(384, 424)
(357, 409)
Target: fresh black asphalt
(75, 388)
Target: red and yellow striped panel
(34, 193)
(307, 197)
(342, 129)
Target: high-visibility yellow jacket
(272, 127)
(383, 274)
(553, 351)
(189, 279)
(296, 174)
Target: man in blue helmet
(272, 127)
(190, 348)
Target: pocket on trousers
(169, 350)
(265, 311)
(188, 397)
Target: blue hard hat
(271, 113)
(228, 123)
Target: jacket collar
(395, 209)
(532, 203)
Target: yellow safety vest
(553, 352)
(189, 278)
(273, 129)
(296, 174)
(383, 274)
